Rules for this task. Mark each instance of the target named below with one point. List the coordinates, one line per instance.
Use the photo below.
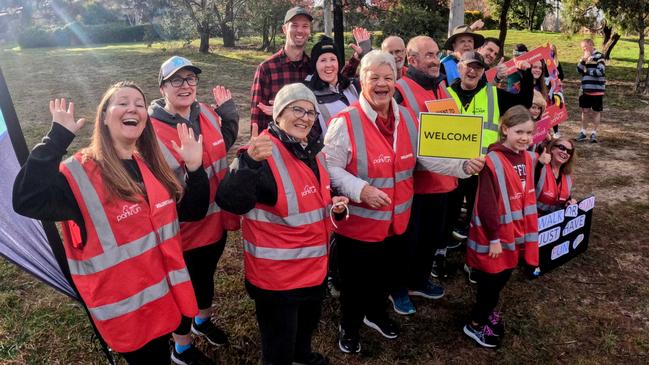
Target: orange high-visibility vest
(130, 273)
(285, 245)
(415, 97)
(388, 168)
(518, 229)
(549, 195)
(209, 229)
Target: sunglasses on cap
(563, 148)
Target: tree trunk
(607, 32)
(638, 73)
(608, 47)
(532, 14)
(328, 17)
(456, 15)
(503, 26)
(265, 36)
(227, 33)
(204, 33)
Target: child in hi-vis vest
(504, 222)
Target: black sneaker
(461, 233)
(191, 356)
(453, 244)
(593, 138)
(386, 327)
(496, 323)
(483, 335)
(314, 358)
(469, 274)
(581, 137)
(210, 332)
(348, 343)
(439, 267)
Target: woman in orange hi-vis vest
(504, 223)
(554, 181)
(203, 241)
(280, 185)
(128, 266)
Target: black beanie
(325, 45)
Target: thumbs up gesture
(259, 147)
(545, 157)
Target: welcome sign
(449, 135)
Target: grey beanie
(290, 93)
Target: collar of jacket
(307, 152)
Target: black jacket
(423, 80)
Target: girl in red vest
(281, 186)
(554, 181)
(203, 241)
(504, 222)
(126, 260)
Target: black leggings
(286, 329)
(488, 294)
(365, 271)
(201, 264)
(156, 351)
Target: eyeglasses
(563, 148)
(179, 81)
(299, 112)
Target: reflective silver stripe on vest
(400, 208)
(210, 117)
(379, 215)
(412, 127)
(178, 276)
(403, 175)
(485, 248)
(112, 253)
(294, 220)
(217, 167)
(289, 189)
(119, 254)
(359, 141)
(529, 210)
(132, 303)
(172, 162)
(541, 182)
(382, 182)
(409, 95)
(569, 180)
(546, 207)
(271, 253)
(502, 182)
(476, 220)
(294, 217)
(491, 124)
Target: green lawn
(594, 310)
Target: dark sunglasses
(563, 148)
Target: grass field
(593, 310)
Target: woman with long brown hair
(125, 203)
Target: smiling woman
(281, 187)
(122, 197)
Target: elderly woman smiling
(282, 187)
(371, 153)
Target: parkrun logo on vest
(382, 159)
(128, 211)
(407, 156)
(216, 143)
(308, 189)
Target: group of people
(328, 186)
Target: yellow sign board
(449, 135)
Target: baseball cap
(473, 57)
(172, 65)
(298, 10)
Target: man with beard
(425, 234)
